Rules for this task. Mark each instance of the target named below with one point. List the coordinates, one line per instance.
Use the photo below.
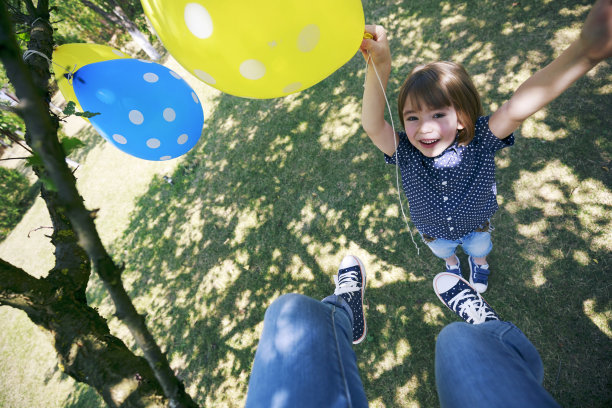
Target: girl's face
(431, 131)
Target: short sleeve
(404, 148)
(484, 135)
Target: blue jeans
(305, 356)
(305, 359)
(491, 364)
(476, 244)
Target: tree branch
(42, 135)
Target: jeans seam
(346, 387)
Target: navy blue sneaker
(460, 297)
(456, 269)
(479, 275)
(350, 286)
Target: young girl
(446, 152)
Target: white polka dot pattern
(452, 194)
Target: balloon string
(399, 195)
(29, 53)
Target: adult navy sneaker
(456, 269)
(350, 286)
(479, 275)
(460, 297)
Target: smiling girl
(447, 149)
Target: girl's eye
(411, 118)
(439, 115)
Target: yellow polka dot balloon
(259, 49)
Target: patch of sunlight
(604, 89)
(534, 127)
(391, 359)
(477, 52)
(581, 257)
(247, 221)
(564, 37)
(218, 278)
(103, 184)
(595, 201)
(191, 231)
(601, 320)
(432, 314)
(534, 230)
(539, 264)
(123, 389)
(302, 127)
(517, 71)
(502, 162)
(545, 189)
(509, 28)
(381, 308)
(179, 361)
(292, 101)
(298, 269)
(392, 211)
(449, 21)
(34, 254)
(232, 391)
(361, 158)
(405, 395)
(279, 149)
(452, 7)
(307, 216)
(578, 11)
(341, 125)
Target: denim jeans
(476, 244)
(305, 356)
(491, 364)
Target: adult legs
(305, 356)
(491, 364)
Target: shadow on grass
(16, 197)
(277, 191)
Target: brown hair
(439, 85)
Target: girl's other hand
(378, 46)
(596, 35)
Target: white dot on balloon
(165, 158)
(292, 87)
(205, 76)
(136, 117)
(195, 97)
(174, 74)
(119, 138)
(169, 114)
(198, 20)
(119, 53)
(252, 69)
(182, 139)
(308, 38)
(150, 77)
(153, 143)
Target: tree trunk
(117, 16)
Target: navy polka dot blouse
(452, 194)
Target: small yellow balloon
(68, 58)
(262, 49)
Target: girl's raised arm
(593, 46)
(373, 109)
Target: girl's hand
(378, 46)
(596, 35)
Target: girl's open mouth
(428, 143)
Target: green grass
(277, 191)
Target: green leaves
(70, 109)
(70, 144)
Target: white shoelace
(473, 307)
(347, 283)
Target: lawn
(278, 191)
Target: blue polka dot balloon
(146, 109)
